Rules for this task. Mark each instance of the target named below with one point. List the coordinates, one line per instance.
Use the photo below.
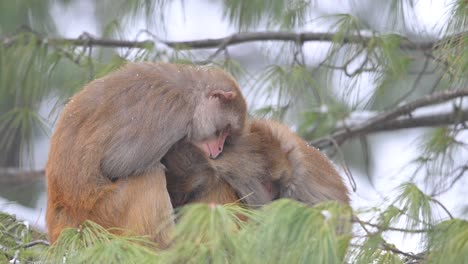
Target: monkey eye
(225, 129)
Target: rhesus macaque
(104, 161)
(240, 173)
(268, 157)
(311, 177)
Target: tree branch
(389, 228)
(422, 121)
(388, 121)
(384, 244)
(35, 242)
(85, 42)
(16, 176)
(282, 36)
(394, 249)
(233, 39)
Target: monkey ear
(222, 95)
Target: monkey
(311, 176)
(241, 172)
(104, 162)
(269, 154)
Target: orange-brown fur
(305, 174)
(193, 177)
(269, 155)
(104, 161)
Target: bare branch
(36, 242)
(384, 244)
(443, 207)
(285, 36)
(394, 249)
(88, 42)
(389, 228)
(15, 175)
(459, 175)
(422, 121)
(223, 42)
(388, 121)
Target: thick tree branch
(86, 42)
(223, 42)
(283, 36)
(422, 121)
(17, 176)
(388, 120)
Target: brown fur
(193, 177)
(268, 157)
(302, 172)
(104, 162)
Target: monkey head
(220, 115)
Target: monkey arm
(142, 132)
(105, 157)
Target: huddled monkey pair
(149, 137)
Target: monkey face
(217, 116)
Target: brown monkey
(240, 173)
(104, 161)
(268, 157)
(310, 176)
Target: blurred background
(377, 85)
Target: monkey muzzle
(213, 146)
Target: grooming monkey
(104, 161)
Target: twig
(394, 249)
(443, 207)
(36, 242)
(460, 175)
(414, 86)
(388, 228)
(385, 245)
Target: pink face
(213, 146)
